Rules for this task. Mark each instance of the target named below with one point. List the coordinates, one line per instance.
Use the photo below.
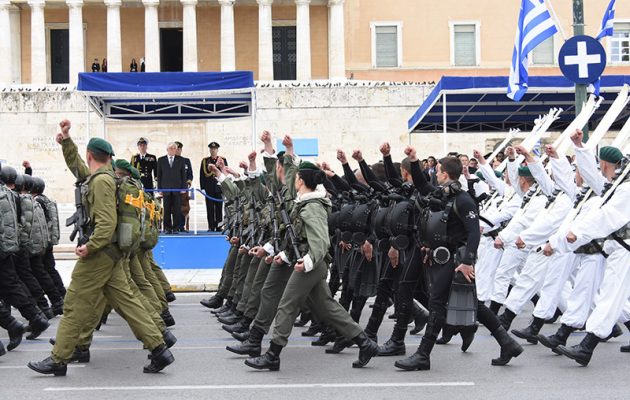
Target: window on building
(620, 43)
(386, 45)
(465, 44)
(544, 53)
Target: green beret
(124, 165)
(480, 175)
(98, 145)
(135, 174)
(524, 171)
(307, 165)
(610, 154)
(496, 173)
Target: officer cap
(524, 171)
(98, 145)
(610, 154)
(135, 174)
(143, 141)
(123, 164)
(214, 145)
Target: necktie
(170, 161)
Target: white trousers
(589, 271)
(529, 281)
(486, 267)
(512, 261)
(558, 273)
(613, 294)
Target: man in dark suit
(171, 174)
(145, 163)
(185, 209)
(208, 182)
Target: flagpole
(555, 18)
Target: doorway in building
(59, 56)
(284, 45)
(171, 49)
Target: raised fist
(287, 141)
(341, 156)
(385, 149)
(551, 151)
(220, 163)
(65, 126)
(411, 153)
(252, 156)
(213, 168)
(577, 137)
(26, 164)
(509, 152)
(265, 137)
(357, 155)
(243, 165)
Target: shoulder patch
(471, 215)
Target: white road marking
(261, 387)
(24, 366)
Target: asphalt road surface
(203, 369)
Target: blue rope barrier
(186, 190)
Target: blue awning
(169, 95)
(478, 104)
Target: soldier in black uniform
(208, 182)
(145, 163)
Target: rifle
(79, 219)
(274, 223)
(288, 226)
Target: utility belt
(621, 236)
(492, 234)
(444, 254)
(592, 247)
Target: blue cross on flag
(582, 59)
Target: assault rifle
(288, 226)
(274, 223)
(79, 219)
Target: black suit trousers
(172, 210)
(214, 211)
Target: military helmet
(38, 186)
(8, 175)
(19, 183)
(28, 182)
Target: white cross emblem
(583, 59)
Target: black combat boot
(420, 318)
(48, 313)
(420, 360)
(448, 331)
(327, 336)
(48, 366)
(239, 327)
(231, 319)
(241, 337)
(468, 336)
(616, 332)
(80, 355)
(37, 325)
(531, 332)
(251, 346)
(213, 302)
(509, 347)
(169, 338)
(582, 352)
(167, 318)
(2, 349)
(623, 349)
(270, 360)
(313, 330)
(495, 307)
(170, 296)
(341, 343)
(395, 346)
(303, 320)
(375, 321)
(57, 308)
(557, 339)
(367, 349)
(224, 307)
(506, 319)
(16, 330)
(161, 357)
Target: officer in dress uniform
(145, 163)
(208, 182)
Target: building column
(228, 50)
(303, 40)
(265, 41)
(151, 36)
(336, 40)
(114, 52)
(16, 44)
(75, 33)
(190, 35)
(5, 43)
(38, 42)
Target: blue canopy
(169, 95)
(475, 104)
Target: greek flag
(607, 30)
(535, 25)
